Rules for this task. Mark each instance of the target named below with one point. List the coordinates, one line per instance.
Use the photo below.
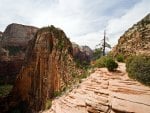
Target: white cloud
(117, 26)
(92, 39)
(82, 20)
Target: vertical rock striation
(13, 45)
(47, 69)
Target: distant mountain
(1, 33)
(82, 53)
(18, 35)
(13, 45)
(136, 40)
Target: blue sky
(82, 20)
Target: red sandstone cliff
(13, 44)
(13, 47)
(48, 68)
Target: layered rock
(48, 68)
(136, 40)
(13, 46)
(105, 92)
(82, 53)
(15, 40)
(18, 35)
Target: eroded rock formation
(82, 53)
(13, 45)
(136, 40)
(48, 68)
(18, 35)
(105, 92)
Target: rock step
(113, 93)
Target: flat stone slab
(105, 92)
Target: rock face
(18, 35)
(9, 71)
(13, 46)
(1, 33)
(15, 40)
(82, 53)
(105, 92)
(47, 69)
(135, 40)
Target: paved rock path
(105, 92)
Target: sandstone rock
(82, 53)
(122, 95)
(47, 69)
(13, 46)
(136, 40)
(9, 70)
(15, 39)
(18, 35)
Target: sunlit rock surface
(136, 40)
(105, 92)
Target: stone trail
(105, 92)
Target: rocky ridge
(136, 40)
(105, 92)
(15, 39)
(18, 35)
(13, 45)
(48, 68)
(13, 48)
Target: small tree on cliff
(103, 44)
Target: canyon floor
(105, 92)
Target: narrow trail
(105, 92)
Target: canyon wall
(136, 40)
(13, 45)
(48, 68)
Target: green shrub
(97, 53)
(48, 104)
(5, 89)
(111, 64)
(120, 58)
(13, 50)
(138, 68)
(106, 61)
(84, 75)
(57, 93)
(101, 62)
